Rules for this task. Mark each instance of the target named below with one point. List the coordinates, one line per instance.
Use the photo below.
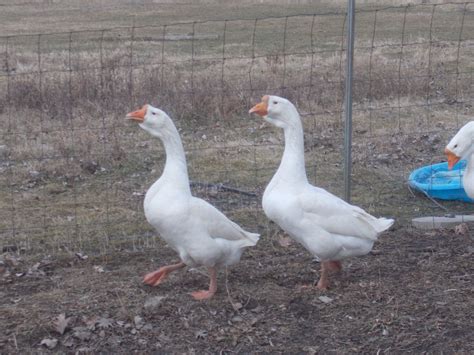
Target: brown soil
(412, 294)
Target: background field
(73, 172)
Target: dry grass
(75, 172)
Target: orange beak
(138, 116)
(261, 108)
(452, 158)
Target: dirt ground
(412, 294)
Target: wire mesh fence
(74, 172)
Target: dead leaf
(153, 302)
(236, 306)
(200, 334)
(82, 256)
(61, 323)
(139, 323)
(10, 248)
(311, 350)
(99, 268)
(37, 269)
(68, 343)
(90, 322)
(285, 242)
(82, 333)
(237, 319)
(11, 260)
(50, 343)
(105, 323)
(461, 229)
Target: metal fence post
(348, 100)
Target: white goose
(197, 231)
(461, 146)
(330, 228)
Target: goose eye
(153, 113)
(275, 102)
(455, 146)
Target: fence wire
(74, 172)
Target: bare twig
(235, 305)
(222, 187)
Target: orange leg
(326, 267)
(323, 282)
(204, 295)
(335, 265)
(156, 277)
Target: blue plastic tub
(439, 182)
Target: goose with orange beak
(196, 230)
(461, 147)
(328, 227)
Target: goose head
(461, 145)
(277, 111)
(152, 120)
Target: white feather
(199, 232)
(330, 228)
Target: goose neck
(292, 166)
(469, 171)
(175, 167)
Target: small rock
(148, 327)
(139, 323)
(237, 319)
(50, 343)
(153, 302)
(325, 299)
(90, 166)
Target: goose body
(327, 226)
(461, 146)
(196, 230)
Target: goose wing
(218, 225)
(336, 216)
